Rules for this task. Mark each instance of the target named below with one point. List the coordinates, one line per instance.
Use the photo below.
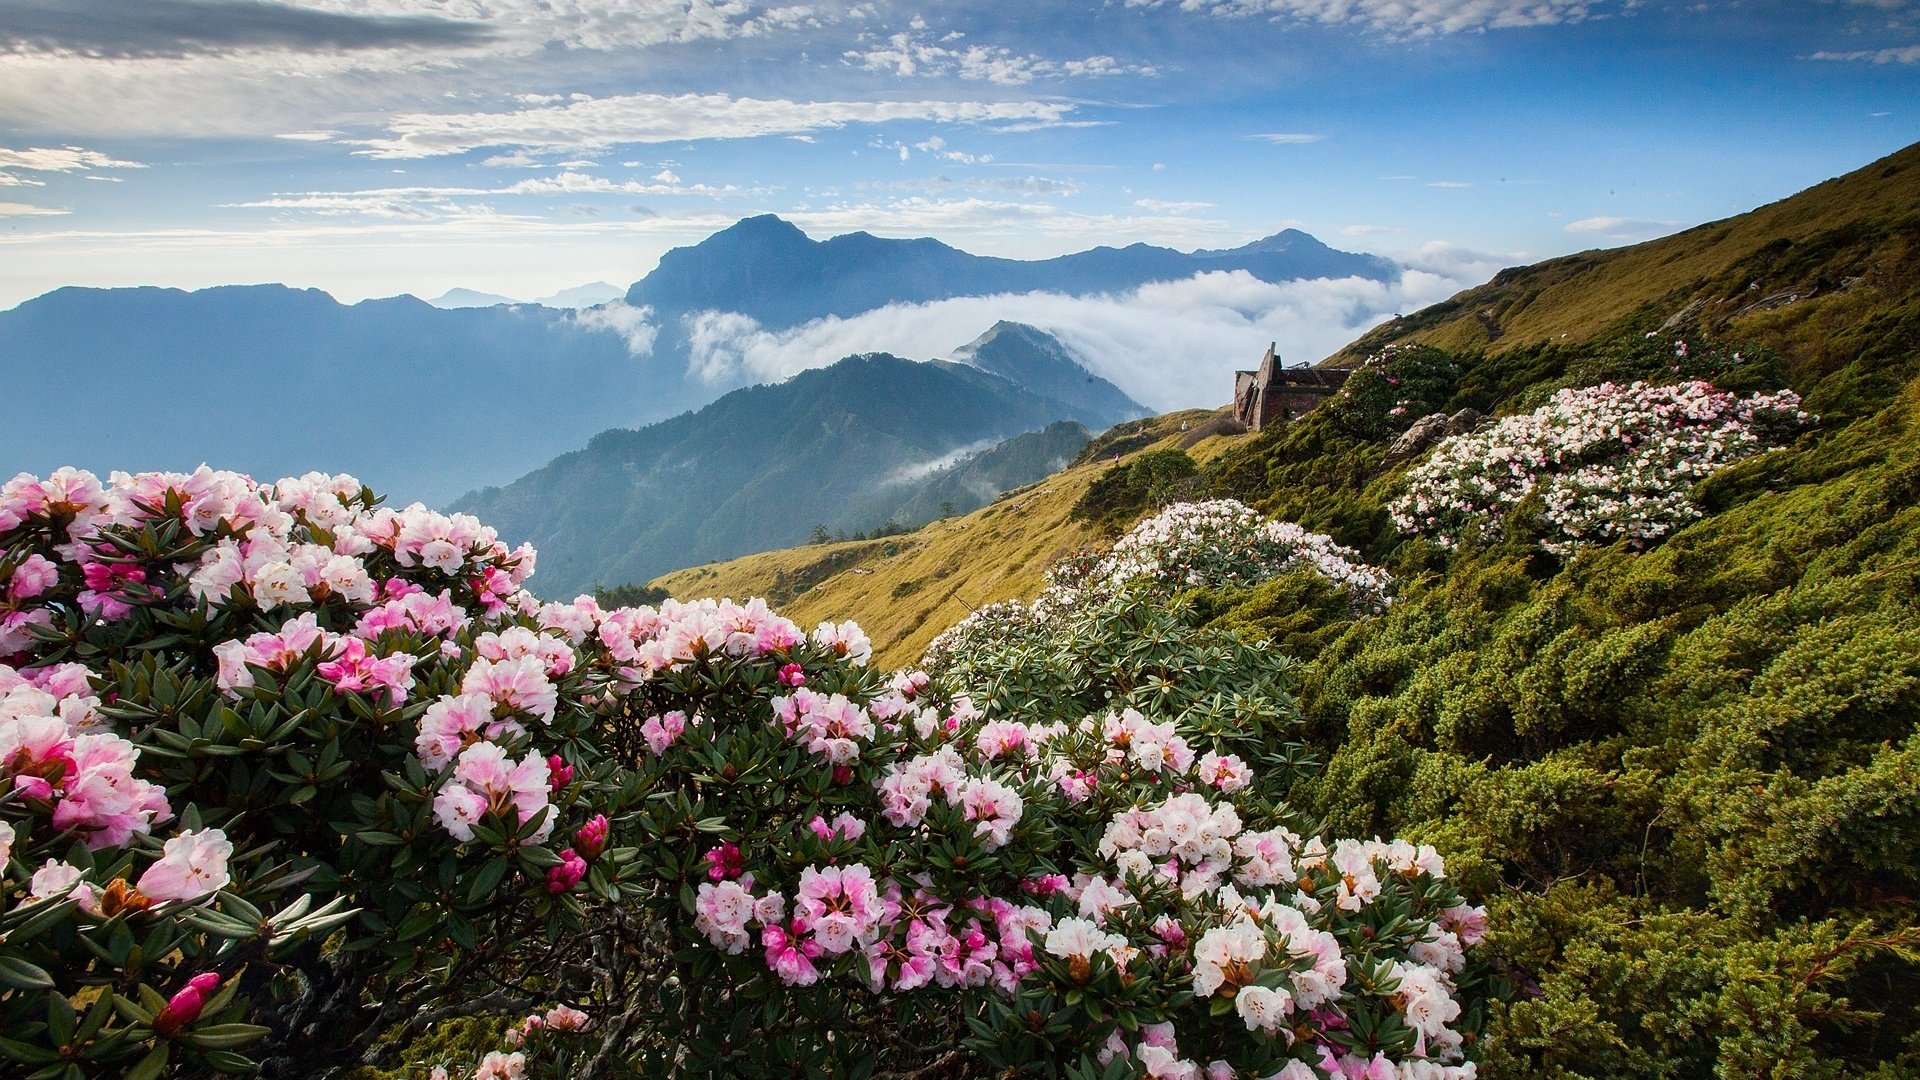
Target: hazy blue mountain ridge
(421, 402)
(273, 380)
(767, 268)
(849, 446)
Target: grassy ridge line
(1727, 265)
(911, 587)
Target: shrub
(292, 771)
(1392, 388)
(1605, 463)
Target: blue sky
(371, 147)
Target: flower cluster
(1219, 542)
(518, 778)
(1609, 462)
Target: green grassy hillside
(1790, 274)
(1688, 775)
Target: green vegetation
(1691, 775)
(1149, 480)
(627, 595)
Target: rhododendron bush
(1211, 544)
(290, 774)
(1607, 463)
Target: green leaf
(151, 1066)
(21, 975)
(227, 1036)
(486, 879)
(60, 1018)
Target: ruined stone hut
(1274, 392)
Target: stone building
(1281, 393)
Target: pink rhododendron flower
(485, 779)
(35, 575)
(57, 880)
(517, 642)
(451, 724)
(725, 862)
(519, 684)
(844, 826)
(846, 640)
(664, 730)
(502, 1066)
(192, 866)
(790, 955)
(837, 903)
(357, 670)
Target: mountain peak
(761, 226)
(1036, 360)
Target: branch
(499, 1001)
(936, 1067)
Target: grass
(905, 589)
(1852, 227)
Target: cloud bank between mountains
(1169, 345)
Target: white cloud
(308, 136)
(1621, 226)
(524, 25)
(634, 324)
(1012, 185)
(1450, 184)
(14, 209)
(907, 474)
(1169, 345)
(53, 159)
(938, 147)
(1163, 206)
(426, 202)
(1400, 18)
(1909, 54)
(597, 123)
(917, 52)
(1369, 230)
(573, 183)
(921, 216)
(1287, 138)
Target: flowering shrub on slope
(1219, 542)
(1609, 462)
(282, 768)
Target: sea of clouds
(1169, 345)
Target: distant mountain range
(767, 268)
(419, 402)
(426, 402)
(868, 440)
(580, 296)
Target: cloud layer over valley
(1168, 345)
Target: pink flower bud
(842, 775)
(560, 771)
(568, 874)
(793, 675)
(184, 1007)
(591, 840)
